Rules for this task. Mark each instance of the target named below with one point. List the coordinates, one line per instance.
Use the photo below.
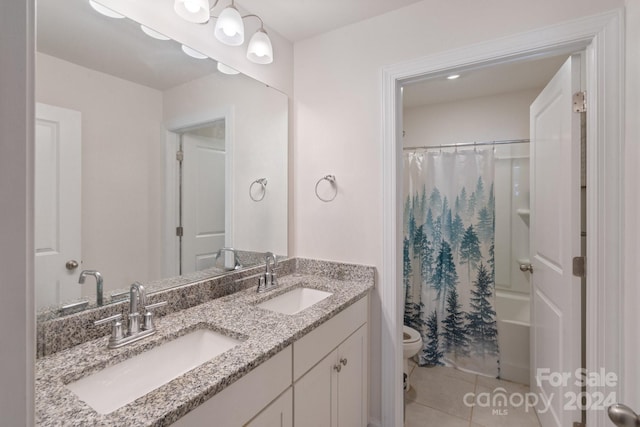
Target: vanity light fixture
(196, 11)
(260, 50)
(229, 28)
(193, 53)
(453, 76)
(225, 69)
(105, 10)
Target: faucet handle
(114, 318)
(147, 321)
(116, 327)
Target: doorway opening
(604, 147)
(467, 266)
(198, 220)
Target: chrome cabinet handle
(526, 267)
(337, 367)
(343, 361)
(71, 265)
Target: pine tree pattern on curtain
(448, 257)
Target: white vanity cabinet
(330, 372)
(320, 380)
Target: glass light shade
(225, 69)
(104, 10)
(260, 50)
(153, 33)
(193, 53)
(229, 27)
(196, 11)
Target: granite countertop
(263, 334)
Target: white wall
(121, 169)
(487, 118)
(260, 144)
(337, 112)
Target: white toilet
(411, 345)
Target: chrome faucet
(269, 279)
(137, 295)
(99, 286)
(136, 330)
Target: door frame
(170, 244)
(602, 37)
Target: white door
(203, 201)
(57, 204)
(555, 240)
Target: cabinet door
(277, 414)
(352, 380)
(315, 395)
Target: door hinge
(579, 102)
(180, 155)
(579, 266)
(179, 231)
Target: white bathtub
(513, 319)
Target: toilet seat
(410, 335)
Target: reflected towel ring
(263, 184)
(332, 180)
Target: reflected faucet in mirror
(230, 262)
(99, 283)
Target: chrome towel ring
(332, 181)
(263, 188)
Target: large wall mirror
(148, 160)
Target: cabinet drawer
(311, 348)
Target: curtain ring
(263, 184)
(332, 180)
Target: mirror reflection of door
(205, 204)
(57, 205)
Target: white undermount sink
(295, 300)
(115, 386)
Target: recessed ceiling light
(104, 10)
(193, 53)
(453, 76)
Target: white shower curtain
(449, 257)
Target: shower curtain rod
(468, 144)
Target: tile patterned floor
(437, 399)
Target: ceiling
(490, 80)
(297, 20)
